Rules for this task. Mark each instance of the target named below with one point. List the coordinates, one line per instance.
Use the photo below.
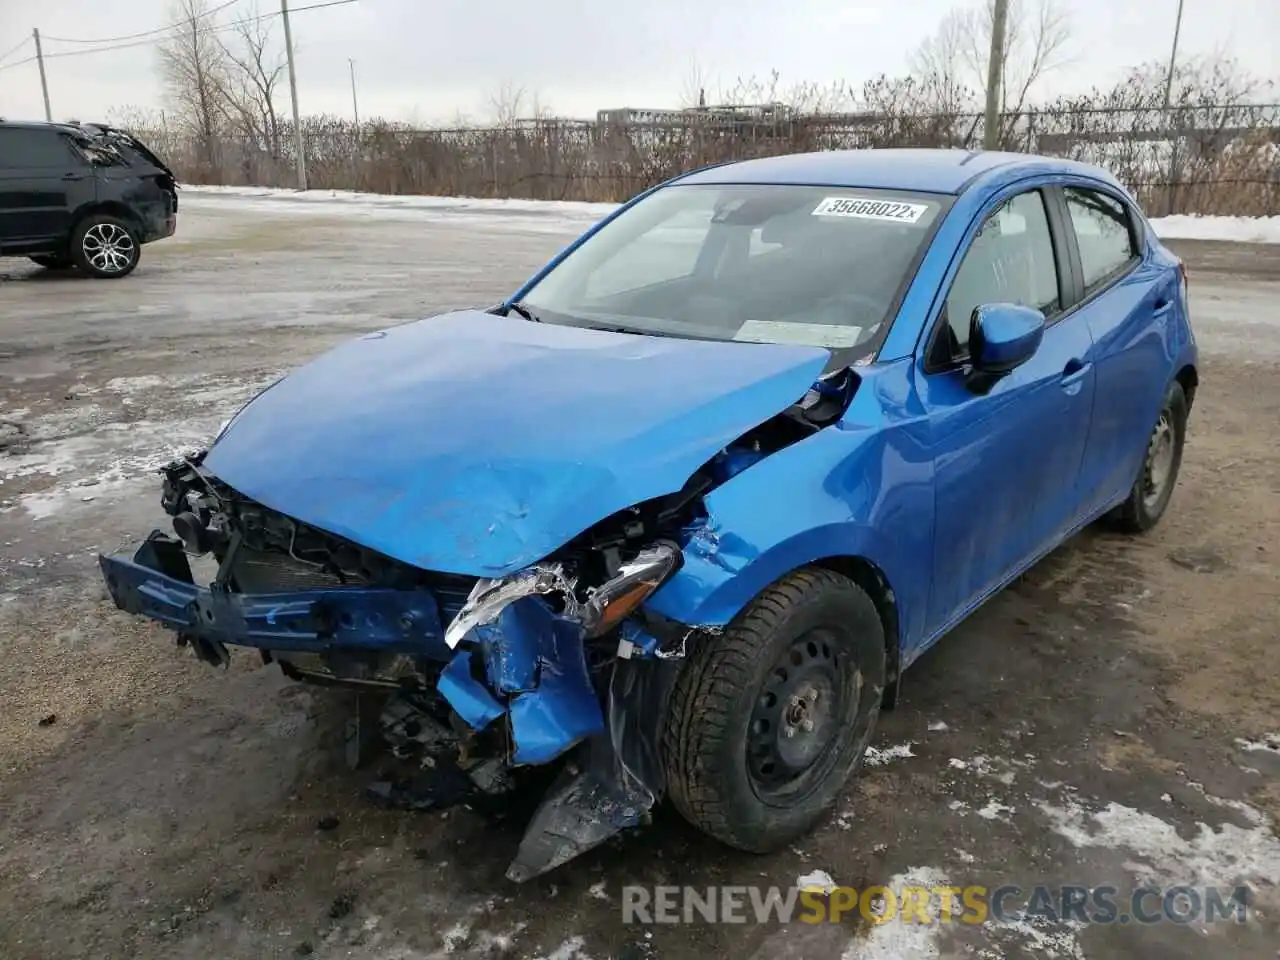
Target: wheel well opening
(112, 209)
(1188, 379)
(871, 579)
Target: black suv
(83, 195)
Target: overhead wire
(147, 33)
(11, 52)
(157, 35)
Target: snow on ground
(557, 213)
(95, 452)
(1237, 229)
(554, 216)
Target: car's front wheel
(768, 721)
(1150, 495)
(105, 246)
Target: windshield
(819, 266)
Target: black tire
(53, 261)
(105, 246)
(1145, 504)
(715, 749)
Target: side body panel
(861, 488)
(37, 198)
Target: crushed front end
(482, 684)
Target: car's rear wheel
(1150, 495)
(768, 721)
(53, 261)
(105, 246)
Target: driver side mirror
(1002, 337)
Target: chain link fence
(1191, 158)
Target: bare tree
(693, 86)
(939, 69)
(950, 66)
(194, 66)
(257, 66)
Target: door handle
(1074, 371)
(73, 176)
(1163, 306)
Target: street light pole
(293, 94)
(355, 106)
(1173, 57)
(995, 72)
(44, 81)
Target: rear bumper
(157, 583)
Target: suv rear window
(33, 149)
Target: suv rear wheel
(105, 246)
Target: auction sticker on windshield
(865, 208)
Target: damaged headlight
(617, 598)
(604, 608)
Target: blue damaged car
(672, 520)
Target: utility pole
(995, 75)
(293, 94)
(355, 106)
(44, 81)
(1173, 57)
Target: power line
(10, 53)
(155, 39)
(148, 33)
(19, 63)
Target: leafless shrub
(1213, 151)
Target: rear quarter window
(1104, 233)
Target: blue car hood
(476, 444)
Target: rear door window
(34, 150)
(1104, 233)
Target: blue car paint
(475, 444)
(1009, 336)
(535, 659)
(468, 696)
(397, 621)
(932, 456)
(942, 494)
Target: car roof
(923, 170)
(40, 125)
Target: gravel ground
(1112, 718)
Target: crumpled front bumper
(528, 668)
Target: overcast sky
(430, 60)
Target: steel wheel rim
(1159, 465)
(108, 248)
(794, 731)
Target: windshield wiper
(525, 312)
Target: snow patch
(571, 949)
(598, 891)
(994, 810)
(878, 758)
(1270, 743)
(1222, 856)
(1038, 939)
(575, 212)
(992, 768)
(896, 940)
(1236, 229)
(938, 726)
(817, 880)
